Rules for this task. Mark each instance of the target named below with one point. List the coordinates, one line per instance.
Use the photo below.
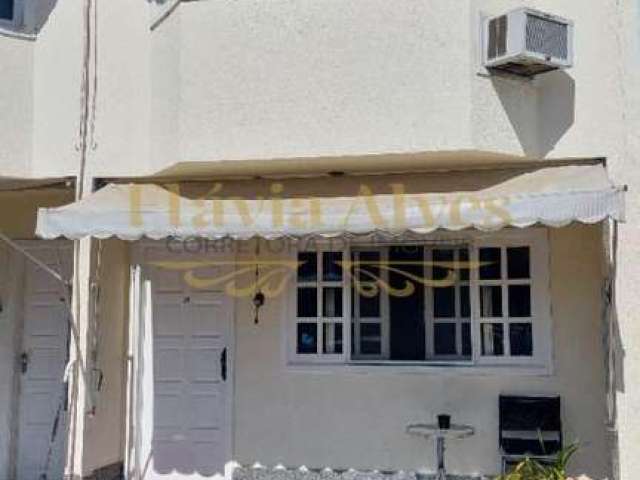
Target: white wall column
(628, 358)
(79, 378)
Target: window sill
(7, 30)
(444, 369)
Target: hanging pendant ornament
(258, 301)
(258, 297)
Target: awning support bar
(34, 260)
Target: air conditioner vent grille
(546, 37)
(497, 45)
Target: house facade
(268, 239)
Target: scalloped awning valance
(552, 196)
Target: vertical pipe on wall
(78, 383)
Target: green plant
(531, 469)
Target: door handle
(223, 364)
(24, 362)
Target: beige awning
(553, 196)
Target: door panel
(45, 324)
(191, 426)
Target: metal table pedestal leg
(442, 473)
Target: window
(6, 9)
(450, 314)
(319, 304)
(504, 289)
(474, 301)
(370, 307)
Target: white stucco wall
(333, 78)
(328, 81)
(56, 92)
(357, 420)
(626, 169)
(16, 106)
(247, 80)
(104, 434)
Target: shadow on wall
(161, 10)
(541, 116)
(615, 346)
(36, 15)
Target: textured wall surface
(244, 86)
(216, 84)
(322, 417)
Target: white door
(42, 361)
(192, 378)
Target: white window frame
(537, 241)
(540, 362)
(457, 319)
(319, 249)
(384, 314)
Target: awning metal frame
(57, 275)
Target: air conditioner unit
(527, 42)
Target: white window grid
(458, 320)
(382, 319)
(535, 238)
(503, 283)
(320, 320)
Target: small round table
(441, 436)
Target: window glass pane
(440, 272)
(6, 9)
(332, 266)
(444, 302)
(368, 266)
(463, 273)
(370, 347)
(465, 302)
(466, 339)
(370, 330)
(518, 262)
(521, 339)
(519, 301)
(444, 337)
(307, 302)
(307, 266)
(307, 338)
(490, 301)
(370, 338)
(352, 294)
(491, 262)
(369, 306)
(332, 338)
(332, 302)
(353, 337)
(406, 313)
(492, 339)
